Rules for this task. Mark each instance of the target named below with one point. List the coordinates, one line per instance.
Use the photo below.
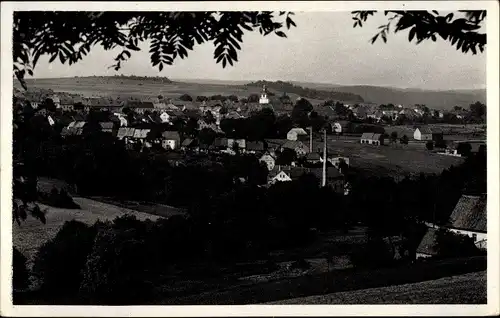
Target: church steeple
(263, 96)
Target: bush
(20, 274)
(59, 262)
(117, 269)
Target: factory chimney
(310, 139)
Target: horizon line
(483, 86)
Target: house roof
(342, 123)
(255, 145)
(470, 214)
(106, 125)
(293, 144)
(171, 135)
(367, 135)
(298, 131)
(313, 156)
(424, 130)
(427, 244)
(122, 132)
(141, 133)
(188, 142)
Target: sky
(323, 48)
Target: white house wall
(479, 236)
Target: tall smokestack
(323, 181)
(310, 140)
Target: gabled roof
(188, 142)
(294, 144)
(469, 214)
(424, 130)
(106, 125)
(313, 156)
(141, 133)
(298, 131)
(171, 135)
(427, 245)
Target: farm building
(468, 218)
(107, 127)
(294, 133)
(340, 127)
(427, 246)
(240, 142)
(425, 133)
(170, 140)
(335, 161)
(269, 160)
(298, 146)
(372, 139)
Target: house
(254, 147)
(67, 103)
(425, 133)
(107, 127)
(56, 100)
(298, 146)
(468, 218)
(240, 142)
(272, 145)
(313, 158)
(170, 140)
(141, 133)
(340, 127)
(372, 139)
(165, 117)
(427, 246)
(219, 144)
(189, 143)
(294, 133)
(139, 107)
(269, 160)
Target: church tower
(263, 96)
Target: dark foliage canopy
(70, 35)
(462, 32)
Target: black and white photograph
(213, 154)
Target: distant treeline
(159, 79)
(308, 92)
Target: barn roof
(470, 214)
(106, 125)
(298, 131)
(367, 135)
(427, 244)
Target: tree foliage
(70, 35)
(462, 32)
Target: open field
(32, 233)
(124, 88)
(462, 289)
(144, 207)
(381, 95)
(388, 158)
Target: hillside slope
(384, 95)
